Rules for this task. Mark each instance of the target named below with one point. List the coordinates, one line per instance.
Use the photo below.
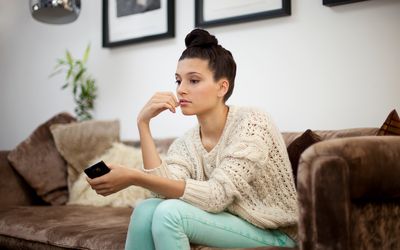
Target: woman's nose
(181, 88)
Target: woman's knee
(167, 214)
(143, 212)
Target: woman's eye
(178, 81)
(194, 81)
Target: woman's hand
(121, 177)
(159, 102)
(118, 178)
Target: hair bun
(200, 38)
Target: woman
(225, 183)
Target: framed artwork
(210, 13)
(339, 2)
(134, 21)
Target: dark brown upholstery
(349, 193)
(13, 188)
(12, 243)
(38, 161)
(74, 227)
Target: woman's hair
(201, 44)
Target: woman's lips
(184, 102)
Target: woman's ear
(223, 85)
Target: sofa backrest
(331, 134)
(163, 144)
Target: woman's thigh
(210, 229)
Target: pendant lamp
(55, 11)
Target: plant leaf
(74, 89)
(69, 58)
(86, 54)
(69, 73)
(83, 91)
(55, 73)
(78, 76)
(61, 61)
(79, 63)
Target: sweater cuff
(197, 193)
(161, 170)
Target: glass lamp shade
(55, 11)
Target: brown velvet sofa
(348, 192)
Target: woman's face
(196, 88)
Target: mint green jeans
(172, 224)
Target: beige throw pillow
(81, 193)
(80, 142)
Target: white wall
(320, 68)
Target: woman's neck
(212, 125)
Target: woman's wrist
(135, 177)
(142, 120)
(143, 124)
(144, 130)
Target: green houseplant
(77, 78)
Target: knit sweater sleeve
(245, 151)
(176, 165)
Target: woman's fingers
(166, 97)
(101, 188)
(159, 102)
(164, 100)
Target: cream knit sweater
(247, 173)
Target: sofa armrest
(13, 188)
(334, 174)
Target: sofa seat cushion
(74, 226)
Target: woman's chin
(186, 111)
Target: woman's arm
(159, 102)
(121, 177)
(151, 158)
(165, 187)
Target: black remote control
(97, 170)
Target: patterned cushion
(391, 126)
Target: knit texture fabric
(247, 173)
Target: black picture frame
(121, 30)
(202, 21)
(339, 2)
